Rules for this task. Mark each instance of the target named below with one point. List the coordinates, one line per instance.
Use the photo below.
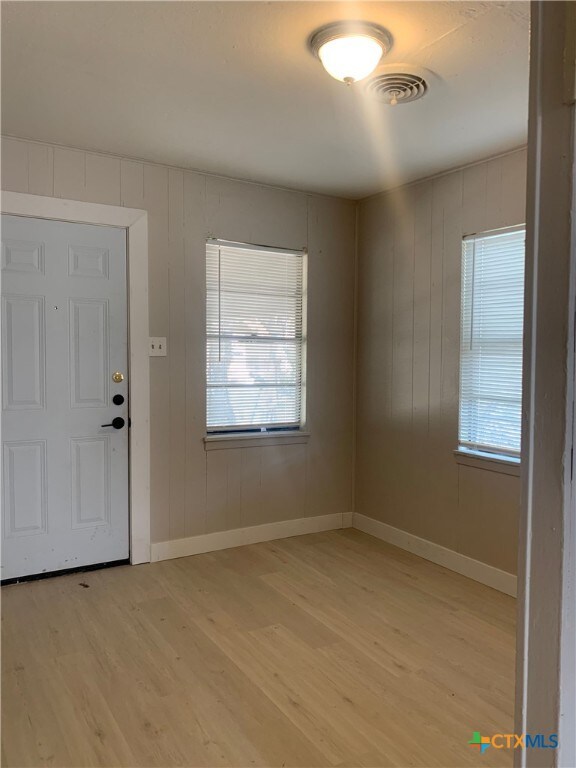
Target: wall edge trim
(485, 574)
(255, 534)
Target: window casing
(492, 322)
(255, 338)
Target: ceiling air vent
(396, 87)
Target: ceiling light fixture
(350, 50)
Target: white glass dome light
(350, 51)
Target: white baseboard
(211, 542)
(454, 561)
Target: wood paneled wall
(194, 491)
(408, 353)
(407, 358)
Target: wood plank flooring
(332, 649)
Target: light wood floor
(331, 649)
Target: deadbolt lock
(117, 377)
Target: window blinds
(255, 342)
(491, 342)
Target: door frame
(135, 222)
(546, 636)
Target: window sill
(253, 439)
(489, 462)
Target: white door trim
(136, 224)
(546, 635)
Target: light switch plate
(157, 346)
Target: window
(255, 337)
(491, 342)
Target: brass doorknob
(117, 377)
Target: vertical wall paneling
(283, 482)
(403, 315)
(14, 165)
(513, 178)
(251, 490)
(374, 354)
(69, 174)
(494, 207)
(421, 326)
(474, 191)
(402, 346)
(175, 385)
(224, 490)
(40, 170)
(194, 491)
(409, 260)
(195, 350)
(421, 340)
(450, 189)
(408, 337)
(132, 184)
(103, 179)
(253, 213)
(330, 355)
(156, 203)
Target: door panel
(25, 487)
(23, 352)
(87, 261)
(22, 256)
(90, 481)
(64, 333)
(89, 367)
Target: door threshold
(64, 572)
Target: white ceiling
(231, 88)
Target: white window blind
(255, 339)
(491, 342)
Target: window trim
(279, 433)
(496, 461)
(494, 232)
(492, 462)
(227, 440)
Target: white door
(64, 336)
